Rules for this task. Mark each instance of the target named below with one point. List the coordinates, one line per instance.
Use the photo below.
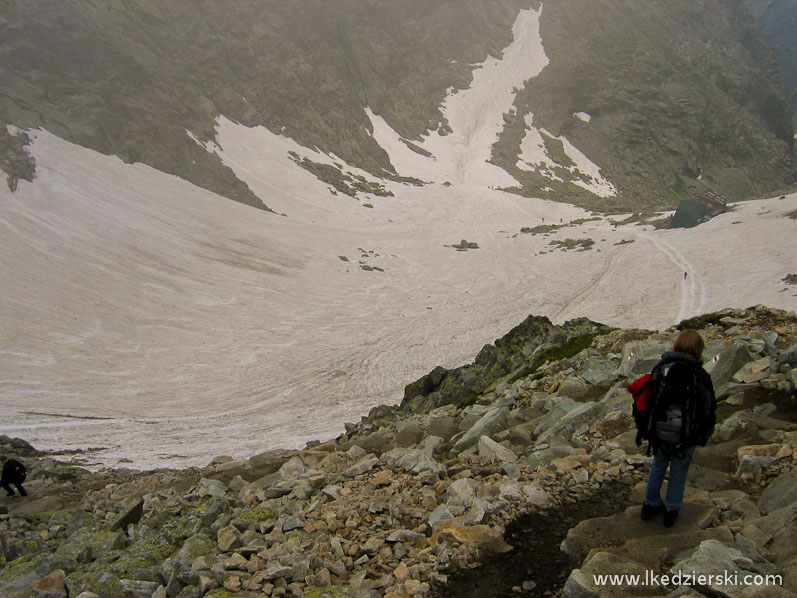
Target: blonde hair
(689, 342)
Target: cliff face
(778, 21)
(682, 94)
(408, 503)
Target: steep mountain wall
(129, 78)
(778, 20)
(675, 90)
(680, 96)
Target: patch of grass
(699, 322)
(790, 279)
(567, 244)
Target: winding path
(693, 290)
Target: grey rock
(461, 492)
(490, 423)
(215, 488)
(131, 515)
(269, 461)
(195, 546)
(292, 468)
(780, 493)
(751, 466)
(409, 434)
(495, 453)
(599, 371)
(579, 585)
(441, 513)
(443, 427)
(413, 460)
(359, 468)
(726, 363)
(639, 357)
(139, 589)
(789, 356)
(714, 559)
(377, 442)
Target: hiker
(680, 416)
(685, 275)
(15, 473)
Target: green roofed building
(688, 214)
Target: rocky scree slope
(412, 498)
(681, 95)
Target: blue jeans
(679, 466)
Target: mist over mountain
(680, 96)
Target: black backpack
(680, 409)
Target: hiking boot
(649, 511)
(669, 517)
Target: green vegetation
(700, 322)
(567, 244)
(790, 279)
(259, 514)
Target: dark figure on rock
(14, 473)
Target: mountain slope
(675, 89)
(681, 96)
(778, 20)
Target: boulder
(443, 427)
(755, 371)
(716, 563)
(585, 582)
(413, 460)
(490, 423)
(128, 516)
(409, 434)
(378, 442)
(139, 589)
(461, 492)
(493, 452)
(599, 371)
(362, 466)
(789, 356)
(482, 537)
(51, 586)
(268, 462)
(780, 493)
(725, 364)
(618, 529)
(639, 357)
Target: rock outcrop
(406, 500)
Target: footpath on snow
(515, 475)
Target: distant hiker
(684, 275)
(679, 416)
(13, 473)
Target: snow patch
(475, 116)
(534, 157)
(583, 116)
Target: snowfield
(164, 325)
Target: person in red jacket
(14, 473)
